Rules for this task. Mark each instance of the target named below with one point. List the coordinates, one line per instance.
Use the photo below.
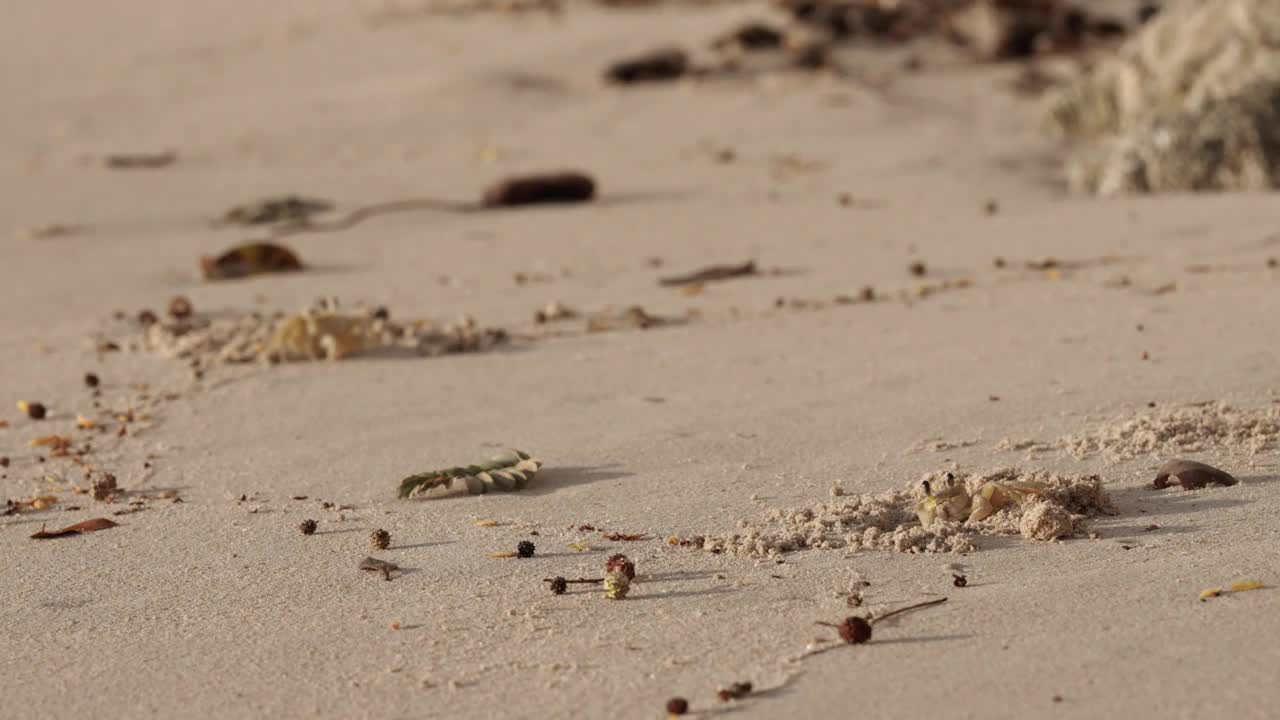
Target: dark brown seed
(677, 706)
(91, 380)
(36, 411)
(917, 268)
(559, 585)
(868, 294)
(557, 187)
(999, 263)
(380, 539)
(959, 580)
(4, 461)
(308, 527)
(855, 630)
(180, 307)
(1272, 262)
(146, 317)
(1191, 475)
(991, 208)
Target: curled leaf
(81, 527)
(511, 470)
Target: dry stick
(908, 608)
(594, 581)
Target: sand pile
(1190, 102)
(1175, 430)
(890, 521)
(322, 331)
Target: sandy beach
(1041, 330)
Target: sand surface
(219, 607)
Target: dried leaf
(511, 470)
(373, 564)
(486, 523)
(250, 259)
(582, 546)
(711, 273)
(81, 527)
(1247, 585)
(624, 537)
(1210, 593)
(503, 554)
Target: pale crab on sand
(323, 333)
(954, 502)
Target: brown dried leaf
(711, 273)
(92, 525)
(53, 441)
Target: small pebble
(91, 380)
(917, 268)
(677, 706)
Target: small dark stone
(959, 580)
(656, 66)
(91, 380)
(1191, 475)
(677, 706)
(917, 268)
(36, 411)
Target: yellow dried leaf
(51, 441)
(486, 523)
(582, 546)
(44, 502)
(503, 554)
(1210, 593)
(85, 423)
(1246, 585)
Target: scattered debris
(380, 539)
(712, 273)
(511, 470)
(103, 487)
(633, 317)
(373, 564)
(856, 631)
(307, 527)
(81, 527)
(499, 554)
(659, 65)
(140, 161)
(554, 311)
(34, 410)
(1191, 475)
(253, 258)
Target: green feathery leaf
(511, 470)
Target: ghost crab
(954, 501)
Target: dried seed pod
(511, 470)
(103, 487)
(736, 691)
(559, 585)
(525, 549)
(677, 706)
(558, 187)
(307, 527)
(91, 380)
(854, 630)
(380, 539)
(1191, 475)
(616, 585)
(620, 563)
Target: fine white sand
(218, 607)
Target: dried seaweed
(511, 470)
(81, 527)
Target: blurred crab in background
(322, 332)
(954, 501)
